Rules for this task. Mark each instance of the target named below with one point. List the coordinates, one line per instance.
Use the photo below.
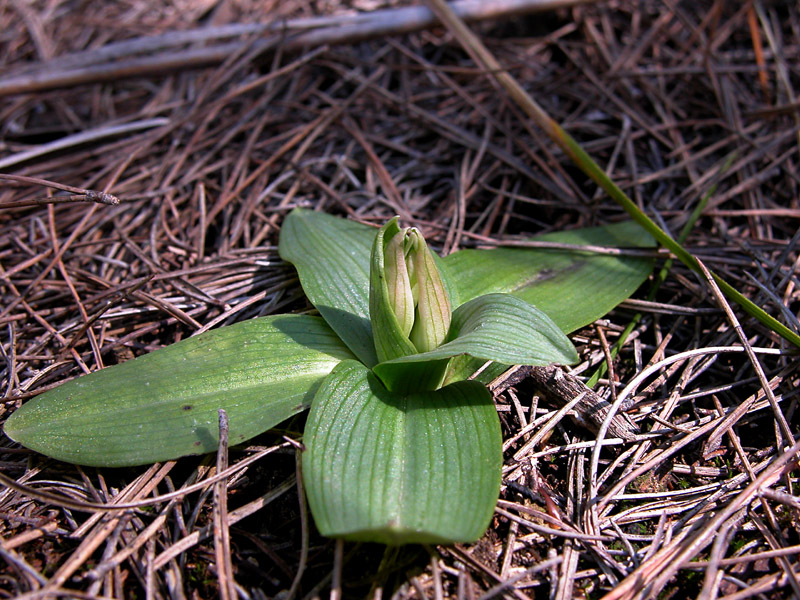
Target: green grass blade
(164, 405)
(398, 469)
(661, 276)
(570, 146)
(593, 170)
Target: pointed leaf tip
(573, 287)
(497, 327)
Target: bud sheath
(409, 305)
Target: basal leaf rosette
(400, 447)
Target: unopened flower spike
(409, 306)
(432, 310)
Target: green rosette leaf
(401, 468)
(497, 327)
(332, 258)
(574, 287)
(164, 405)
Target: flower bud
(431, 304)
(398, 280)
(409, 305)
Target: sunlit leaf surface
(497, 327)
(574, 288)
(401, 468)
(164, 405)
(331, 256)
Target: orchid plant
(403, 442)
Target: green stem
(662, 274)
(591, 168)
(567, 143)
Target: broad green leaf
(498, 327)
(574, 288)
(331, 256)
(393, 468)
(164, 405)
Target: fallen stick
(168, 52)
(589, 410)
(84, 137)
